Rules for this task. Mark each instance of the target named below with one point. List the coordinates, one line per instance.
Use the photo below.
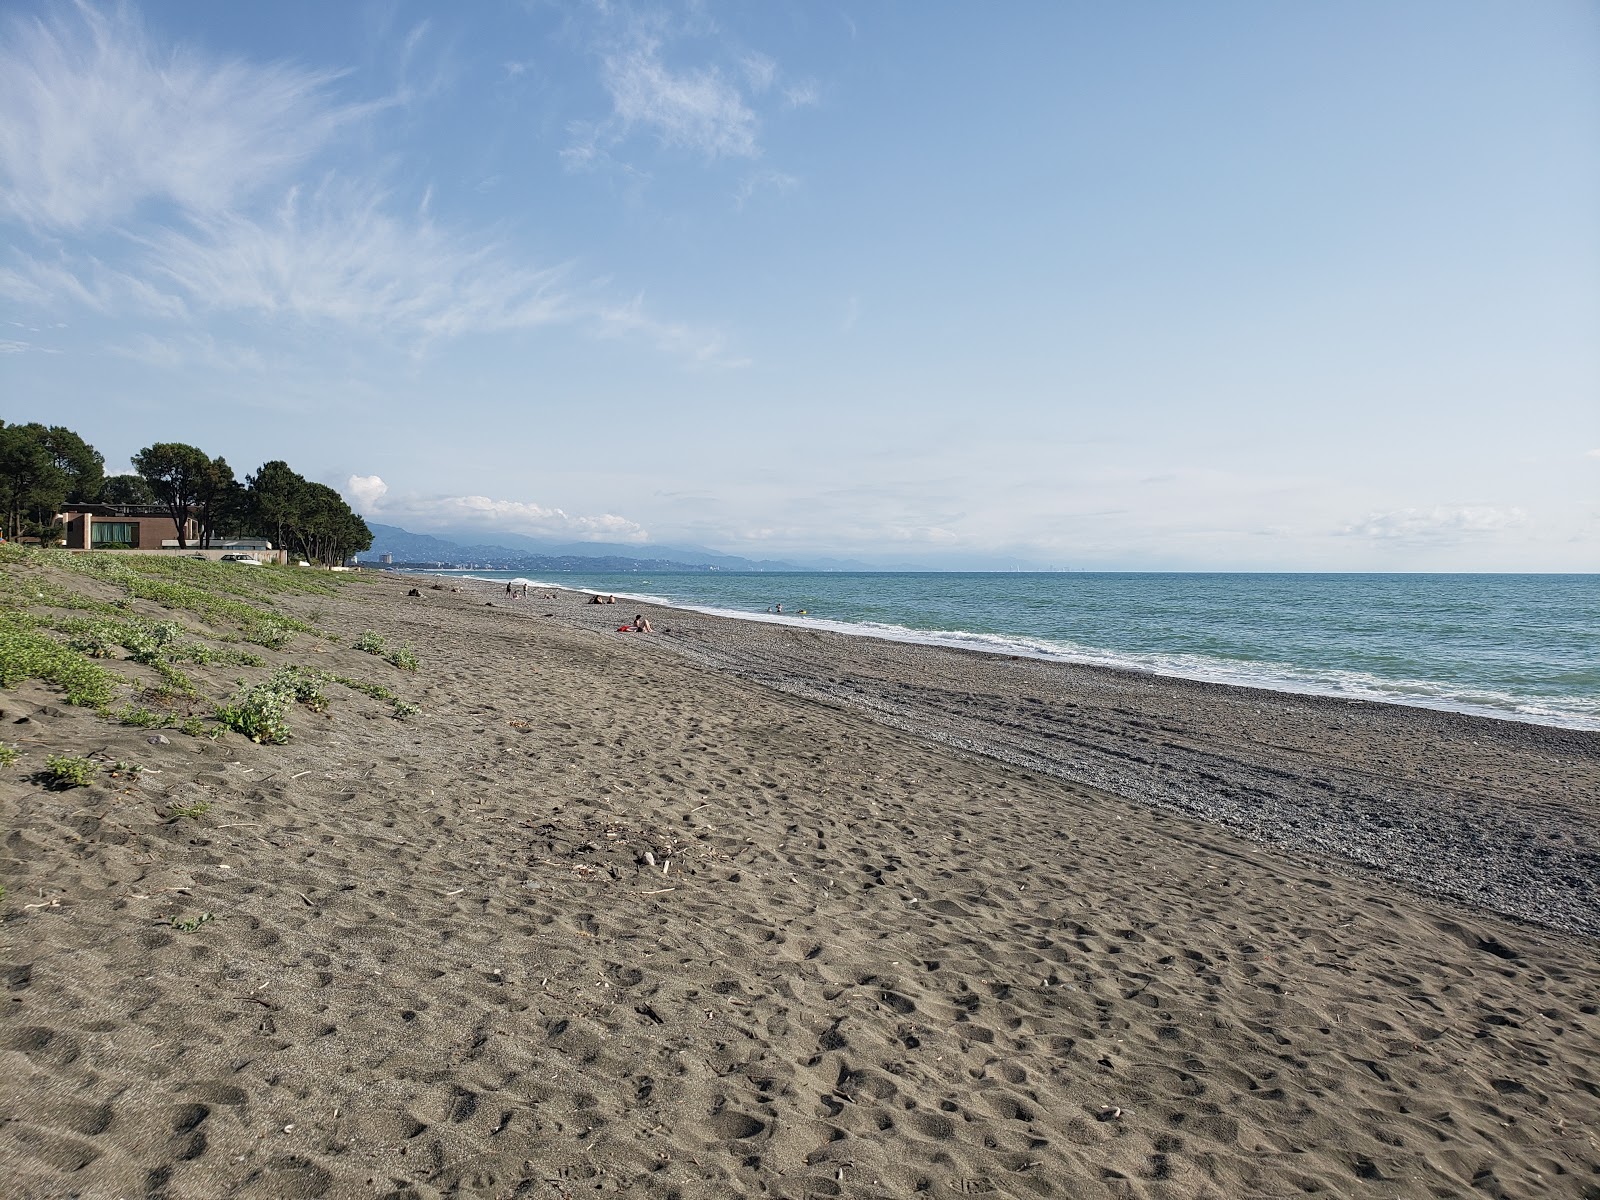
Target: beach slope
(612, 915)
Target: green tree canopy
(274, 492)
(176, 474)
(42, 468)
(125, 489)
(309, 519)
(214, 499)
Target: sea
(1519, 647)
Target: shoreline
(1500, 814)
(1020, 646)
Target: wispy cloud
(190, 350)
(705, 347)
(338, 254)
(370, 496)
(198, 177)
(804, 93)
(697, 110)
(760, 71)
(1436, 524)
(98, 121)
(89, 284)
(706, 107)
(775, 181)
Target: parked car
(246, 560)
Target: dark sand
(666, 915)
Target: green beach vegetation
(99, 626)
(62, 771)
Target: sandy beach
(737, 909)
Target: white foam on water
(1569, 712)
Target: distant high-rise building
(388, 558)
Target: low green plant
(273, 634)
(148, 642)
(173, 682)
(9, 755)
(27, 653)
(405, 658)
(260, 711)
(402, 708)
(95, 643)
(62, 771)
(143, 718)
(193, 726)
(190, 924)
(371, 642)
(177, 812)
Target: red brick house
(123, 527)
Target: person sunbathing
(641, 625)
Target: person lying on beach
(596, 600)
(641, 625)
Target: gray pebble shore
(1499, 815)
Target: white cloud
(90, 284)
(366, 492)
(338, 255)
(190, 350)
(696, 110)
(1435, 524)
(95, 121)
(703, 347)
(1593, 454)
(775, 180)
(370, 496)
(759, 71)
(192, 165)
(803, 94)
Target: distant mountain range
(519, 552)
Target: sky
(1124, 286)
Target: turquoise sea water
(1525, 647)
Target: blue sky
(1125, 286)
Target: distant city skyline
(1237, 286)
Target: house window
(115, 535)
